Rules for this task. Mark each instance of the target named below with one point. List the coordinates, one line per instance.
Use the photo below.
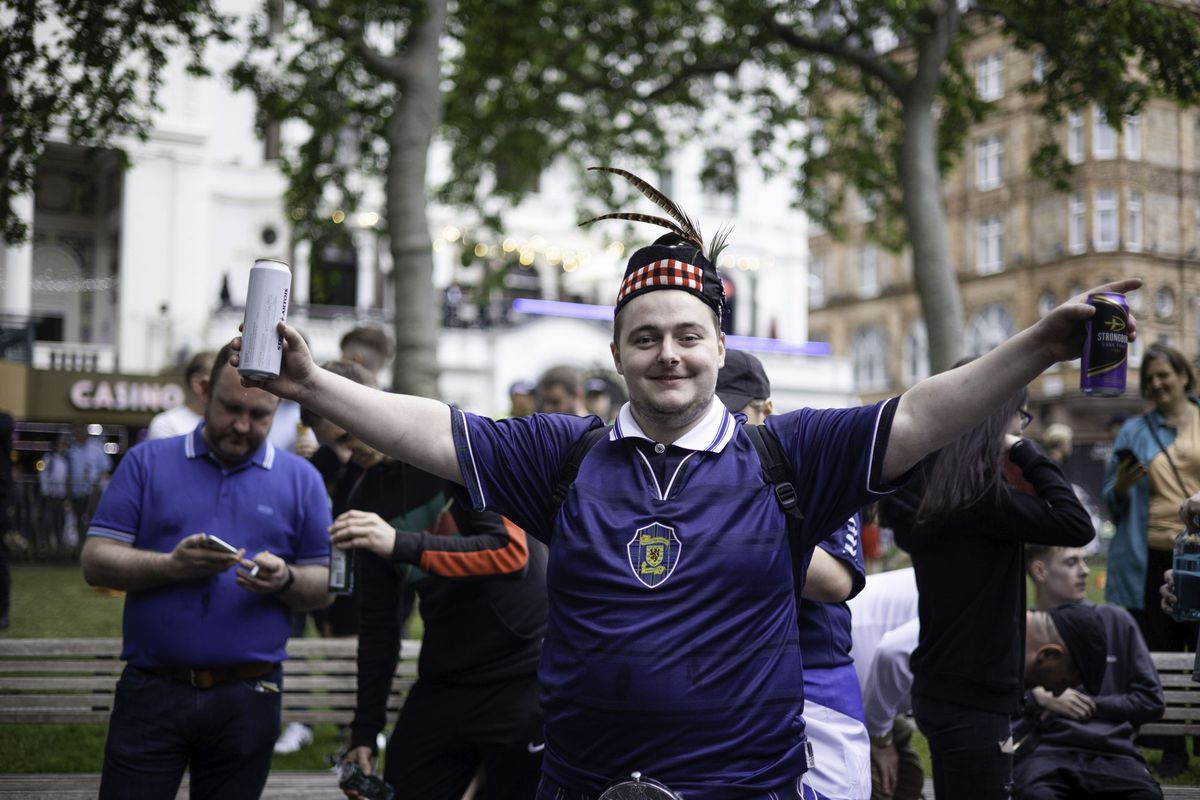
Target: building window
(719, 178)
(1164, 302)
(989, 255)
(1047, 302)
(989, 83)
(988, 153)
(1078, 237)
(869, 354)
(816, 284)
(1133, 222)
(1075, 137)
(990, 327)
(915, 359)
(1039, 66)
(868, 272)
(1133, 137)
(1104, 221)
(1104, 136)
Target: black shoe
(1173, 765)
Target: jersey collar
(194, 446)
(711, 435)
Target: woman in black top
(964, 517)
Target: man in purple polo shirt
(205, 631)
(672, 645)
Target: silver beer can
(267, 300)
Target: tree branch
(390, 68)
(867, 61)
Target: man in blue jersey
(833, 709)
(672, 645)
(205, 630)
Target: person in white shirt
(184, 418)
(884, 628)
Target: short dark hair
(347, 369)
(199, 364)
(1176, 359)
(1038, 552)
(569, 379)
(370, 336)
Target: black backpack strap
(570, 466)
(777, 472)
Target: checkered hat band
(667, 273)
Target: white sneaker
(294, 736)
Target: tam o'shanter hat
(678, 260)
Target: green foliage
(92, 70)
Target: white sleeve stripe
(874, 442)
(109, 533)
(471, 453)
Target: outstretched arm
(415, 430)
(943, 407)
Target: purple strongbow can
(1105, 351)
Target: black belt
(208, 677)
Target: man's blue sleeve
(312, 535)
(845, 544)
(119, 514)
(512, 466)
(837, 457)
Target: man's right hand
(192, 559)
(1071, 704)
(887, 761)
(362, 756)
(296, 368)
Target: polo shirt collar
(711, 435)
(195, 447)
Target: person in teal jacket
(1155, 467)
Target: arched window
(990, 327)
(869, 353)
(915, 358)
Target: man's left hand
(271, 577)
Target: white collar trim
(711, 435)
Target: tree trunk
(924, 210)
(416, 113)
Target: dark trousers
(1162, 634)
(965, 748)
(1052, 773)
(445, 733)
(160, 727)
(910, 777)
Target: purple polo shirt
(167, 489)
(672, 643)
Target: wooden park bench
(72, 681)
(1182, 694)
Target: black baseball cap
(742, 380)
(1082, 631)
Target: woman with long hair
(1155, 466)
(964, 517)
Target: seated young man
(1080, 744)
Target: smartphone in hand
(1125, 454)
(217, 543)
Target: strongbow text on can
(266, 304)
(1105, 351)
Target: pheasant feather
(634, 216)
(688, 228)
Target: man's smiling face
(669, 350)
